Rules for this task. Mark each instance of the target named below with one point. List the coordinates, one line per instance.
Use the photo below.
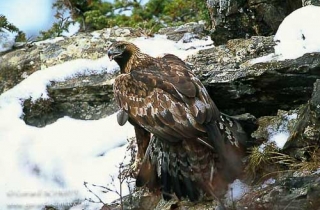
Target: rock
(311, 2)
(184, 31)
(125, 32)
(84, 45)
(236, 85)
(270, 14)
(268, 125)
(292, 193)
(315, 100)
(239, 86)
(137, 201)
(41, 112)
(230, 56)
(306, 132)
(16, 65)
(245, 18)
(32, 57)
(85, 97)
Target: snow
(317, 171)
(264, 59)
(7, 40)
(59, 157)
(160, 45)
(280, 138)
(299, 33)
(268, 182)
(49, 165)
(57, 160)
(35, 85)
(237, 190)
(280, 134)
(49, 41)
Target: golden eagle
(194, 150)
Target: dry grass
(313, 163)
(270, 162)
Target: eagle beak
(112, 53)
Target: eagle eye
(123, 47)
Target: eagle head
(122, 52)
(117, 49)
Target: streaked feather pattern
(194, 150)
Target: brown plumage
(194, 150)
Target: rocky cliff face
(243, 18)
(232, 19)
(236, 83)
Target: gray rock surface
(85, 97)
(311, 2)
(237, 86)
(16, 65)
(232, 19)
(292, 193)
(184, 31)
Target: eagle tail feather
(216, 140)
(176, 184)
(166, 184)
(225, 138)
(166, 166)
(187, 168)
(184, 174)
(191, 190)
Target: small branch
(86, 186)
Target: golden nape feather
(195, 151)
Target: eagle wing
(163, 97)
(166, 99)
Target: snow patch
(237, 190)
(280, 138)
(281, 134)
(7, 40)
(159, 45)
(268, 182)
(317, 171)
(264, 59)
(297, 35)
(50, 41)
(35, 85)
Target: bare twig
(90, 200)
(125, 176)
